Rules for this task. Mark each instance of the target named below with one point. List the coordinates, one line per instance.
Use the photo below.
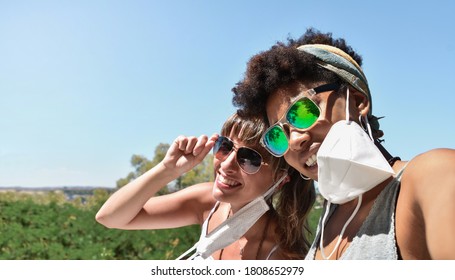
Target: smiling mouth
(227, 182)
(311, 161)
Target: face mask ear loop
(369, 128)
(347, 105)
(363, 119)
(321, 247)
(188, 252)
(271, 190)
(370, 133)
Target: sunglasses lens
(275, 141)
(223, 146)
(249, 160)
(303, 113)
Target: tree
(201, 173)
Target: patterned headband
(342, 64)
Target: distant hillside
(70, 192)
(58, 188)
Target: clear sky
(86, 84)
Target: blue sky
(84, 85)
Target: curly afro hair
(282, 65)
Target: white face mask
(233, 228)
(349, 162)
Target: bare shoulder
(196, 190)
(428, 188)
(429, 178)
(200, 193)
(199, 198)
(434, 165)
(439, 154)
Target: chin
(216, 193)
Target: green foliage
(313, 220)
(201, 173)
(46, 226)
(141, 165)
(42, 227)
(160, 153)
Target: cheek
(216, 166)
(216, 163)
(335, 109)
(291, 159)
(259, 183)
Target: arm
(434, 181)
(135, 206)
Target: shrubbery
(47, 227)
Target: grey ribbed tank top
(375, 239)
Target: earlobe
(286, 180)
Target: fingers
(200, 145)
(213, 138)
(185, 144)
(206, 144)
(196, 146)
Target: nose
(298, 139)
(229, 164)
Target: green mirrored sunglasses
(301, 114)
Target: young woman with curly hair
(316, 99)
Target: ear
(286, 180)
(361, 101)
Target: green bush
(63, 231)
(48, 227)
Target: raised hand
(188, 151)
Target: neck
(258, 227)
(370, 195)
(235, 207)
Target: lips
(226, 182)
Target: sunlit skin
(135, 205)
(424, 230)
(234, 186)
(304, 143)
(234, 189)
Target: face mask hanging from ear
(233, 228)
(349, 162)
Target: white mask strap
(347, 105)
(230, 229)
(270, 191)
(188, 252)
(321, 247)
(370, 133)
